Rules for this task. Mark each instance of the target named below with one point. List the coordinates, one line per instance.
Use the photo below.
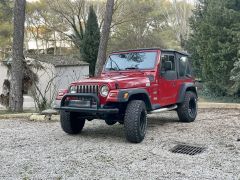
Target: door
(167, 90)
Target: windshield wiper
(112, 61)
(129, 68)
(112, 69)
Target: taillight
(61, 93)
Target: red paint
(161, 91)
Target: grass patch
(206, 95)
(224, 99)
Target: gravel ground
(41, 150)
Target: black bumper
(91, 110)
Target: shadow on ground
(103, 130)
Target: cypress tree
(214, 42)
(90, 42)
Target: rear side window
(184, 67)
(165, 58)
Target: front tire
(135, 121)
(70, 122)
(187, 110)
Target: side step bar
(164, 109)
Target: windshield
(132, 60)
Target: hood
(123, 81)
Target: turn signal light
(125, 96)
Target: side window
(166, 58)
(184, 67)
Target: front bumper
(96, 109)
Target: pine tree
(6, 30)
(90, 42)
(214, 42)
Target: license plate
(79, 103)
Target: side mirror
(168, 66)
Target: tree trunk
(16, 90)
(55, 44)
(36, 40)
(104, 37)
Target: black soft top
(154, 48)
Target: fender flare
(185, 87)
(134, 92)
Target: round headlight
(104, 91)
(73, 89)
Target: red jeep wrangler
(133, 83)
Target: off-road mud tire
(71, 123)
(135, 121)
(187, 110)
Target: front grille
(87, 89)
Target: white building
(57, 72)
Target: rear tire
(121, 122)
(135, 121)
(187, 110)
(71, 123)
(110, 122)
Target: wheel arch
(136, 94)
(144, 98)
(183, 89)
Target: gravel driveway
(41, 150)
